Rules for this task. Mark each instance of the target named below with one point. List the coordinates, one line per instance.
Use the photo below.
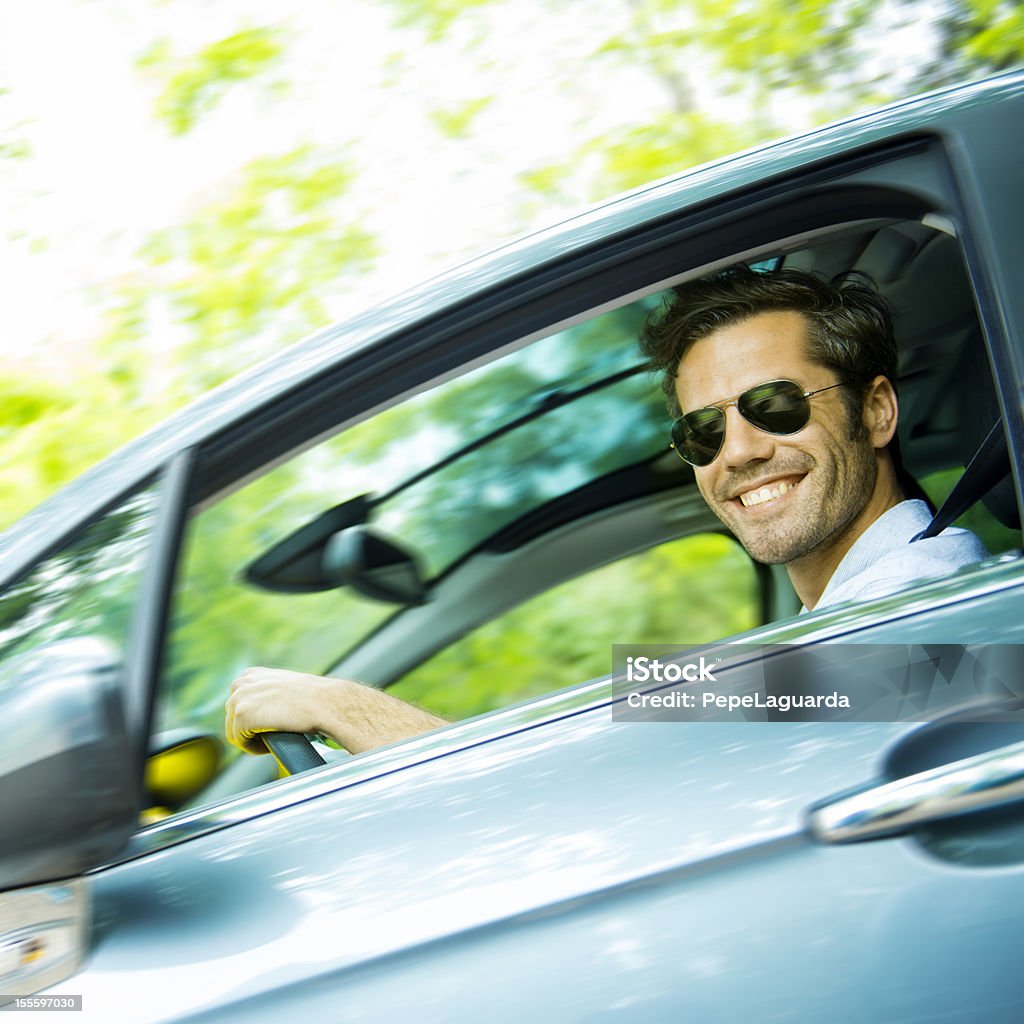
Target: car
(467, 495)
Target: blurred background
(188, 187)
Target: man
(789, 413)
(782, 385)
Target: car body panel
(983, 605)
(516, 841)
(455, 818)
(558, 867)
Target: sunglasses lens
(778, 407)
(698, 435)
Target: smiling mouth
(768, 493)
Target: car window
(221, 624)
(87, 589)
(445, 472)
(688, 591)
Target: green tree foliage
(13, 144)
(456, 122)
(49, 434)
(435, 17)
(758, 44)
(752, 51)
(973, 37)
(689, 591)
(825, 56)
(250, 272)
(637, 155)
(253, 268)
(194, 84)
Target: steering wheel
(293, 751)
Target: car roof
(302, 363)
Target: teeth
(765, 494)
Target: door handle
(984, 781)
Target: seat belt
(990, 464)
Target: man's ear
(880, 411)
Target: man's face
(785, 496)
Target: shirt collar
(893, 529)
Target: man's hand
(274, 700)
(357, 717)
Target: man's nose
(744, 443)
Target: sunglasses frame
(735, 400)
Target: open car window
(445, 473)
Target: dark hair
(849, 323)
(850, 330)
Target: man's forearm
(362, 717)
(357, 716)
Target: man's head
(849, 325)
(809, 492)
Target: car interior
(407, 536)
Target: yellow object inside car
(178, 770)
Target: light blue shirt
(883, 560)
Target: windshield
(451, 511)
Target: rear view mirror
(339, 549)
(67, 788)
(294, 565)
(372, 563)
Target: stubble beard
(817, 520)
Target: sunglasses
(776, 407)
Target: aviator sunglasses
(776, 407)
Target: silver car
(466, 495)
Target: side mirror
(68, 790)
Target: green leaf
(457, 122)
(435, 17)
(194, 85)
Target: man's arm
(358, 717)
